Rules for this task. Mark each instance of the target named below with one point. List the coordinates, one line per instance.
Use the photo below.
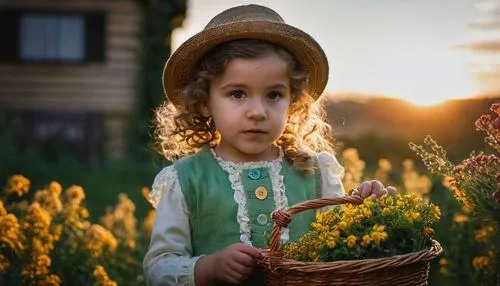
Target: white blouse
(169, 259)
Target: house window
(52, 37)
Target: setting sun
(423, 74)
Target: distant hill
(384, 126)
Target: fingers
(377, 188)
(391, 190)
(234, 277)
(365, 189)
(237, 262)
(251, 251)
(374, 189)
(239, 271)
(244, 259)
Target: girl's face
(249, 105)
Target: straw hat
(244, 22)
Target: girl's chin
(249, 153)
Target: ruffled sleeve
(331, 175)
(169, 259)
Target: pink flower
(496, 123)
(495, 107)
(483, 122)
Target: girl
(241, 118)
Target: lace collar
(247, 165)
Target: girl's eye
(237, 94)
(274, 96)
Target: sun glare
(420, 75)
(447, 79)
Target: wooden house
(70, 68)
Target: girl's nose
(256, 109)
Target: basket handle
(283, 217)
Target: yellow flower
(331, 243)
(49, 201)
(480, 261)
(57, 231)
(10, 233)
(51, 280)
(314, 255)
(443, 261)
(18, 184)
(55, 188)
(97, 238)
(368, 202)
(37, 267)
(436, 212)
(367, 212)
(84, 213)
(102, 277)
(384, 165)
(482, 235)
(378, 236)
(3, 211)
(4, 263)
(351, 241)
(146, 193)
(366, 240)
(121, 222)
(412, 216)
(386, 211)
(460, 218)
(75, 194)
(37, 220)
(342, 225)
(378, 228)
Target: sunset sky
(408, 49)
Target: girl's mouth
(254, 131)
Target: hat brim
(305, 49)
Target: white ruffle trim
(234, 171)
(163, 181)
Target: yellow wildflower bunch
(388, 226)
(99, 241)
(17, 184)
(102, 277)
(122, 222)
(48, 238)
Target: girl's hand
(232, 265)
(374, 189)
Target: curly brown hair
(183, 130)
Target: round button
(261, 193)
(262, 219)
(254, 174)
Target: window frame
(94, 50)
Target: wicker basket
(401, 270)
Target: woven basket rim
(359, 266)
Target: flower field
(55, 234)
(50, 240)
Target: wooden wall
(108, 87)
